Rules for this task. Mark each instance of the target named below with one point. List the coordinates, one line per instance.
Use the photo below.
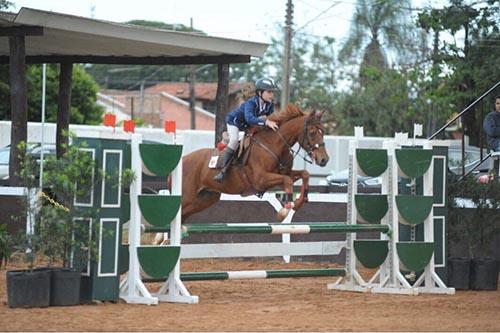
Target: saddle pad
(215, 162)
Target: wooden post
(64, 106)
(19, 105)
(222, 100)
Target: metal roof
(79, 39)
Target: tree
(313, 76)
(375, 25)
(84, 109)
(470, 68)
(4, 4)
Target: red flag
(129, 126)
(170, 126)
(110, 119)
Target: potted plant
(473, 215)
(28, 287)
(69, 177)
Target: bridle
(310, 148)
(303, 144)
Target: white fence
(337, 146)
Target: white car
(34, 149)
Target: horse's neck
(292, 129)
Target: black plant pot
(65, 287)
(458, 272)
(28, 289)
(484, 274)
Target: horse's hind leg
(203, 200)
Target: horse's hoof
(283, 213)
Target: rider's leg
(228, 153)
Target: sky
(253, 20)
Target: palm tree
(376, 24)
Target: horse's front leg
(268, 180)
(304, 190)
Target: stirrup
(219, 177)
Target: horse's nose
(323, 161)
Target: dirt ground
(301, 304)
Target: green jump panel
(160, 159)
(371, 162)
(123, 259)
(371, 207)
(159, 210)
(413, 162)
(158, 261)
(414, 256)
(125, 209)
(371, 253)
(414, 209)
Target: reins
(309, 150)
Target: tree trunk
(19, 105)
(64, 105)
(222, 100)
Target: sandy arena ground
(303, 304)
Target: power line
(321, 13)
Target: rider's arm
(250, 109)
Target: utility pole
(285, 90)
(192, 97)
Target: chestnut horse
(269, 164)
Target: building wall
(170, 110)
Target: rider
(252, 112)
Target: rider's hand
(271, 124)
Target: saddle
(241, 155)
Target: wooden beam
(18, 105)
(221, 100)
(22, 30)
(63, 106)
(127, 60)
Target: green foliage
(475, 226)
(84, 109)
(383, 106)
(374, 25)
(4, 4)
(5, 245)
(60, 227)
(465, 68)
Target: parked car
(472, 158)
(35, 151)
(341, 178)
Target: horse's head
(312, 138)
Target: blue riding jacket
(491, 126)
(248, 113)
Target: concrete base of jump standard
(257, 274)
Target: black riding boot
(227, 158)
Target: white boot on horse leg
(160, 238)
(284, 211)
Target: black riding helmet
(265, 84)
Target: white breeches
(234, 136)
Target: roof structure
(54, 37)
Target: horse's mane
(291, 111)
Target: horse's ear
(321, 113)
